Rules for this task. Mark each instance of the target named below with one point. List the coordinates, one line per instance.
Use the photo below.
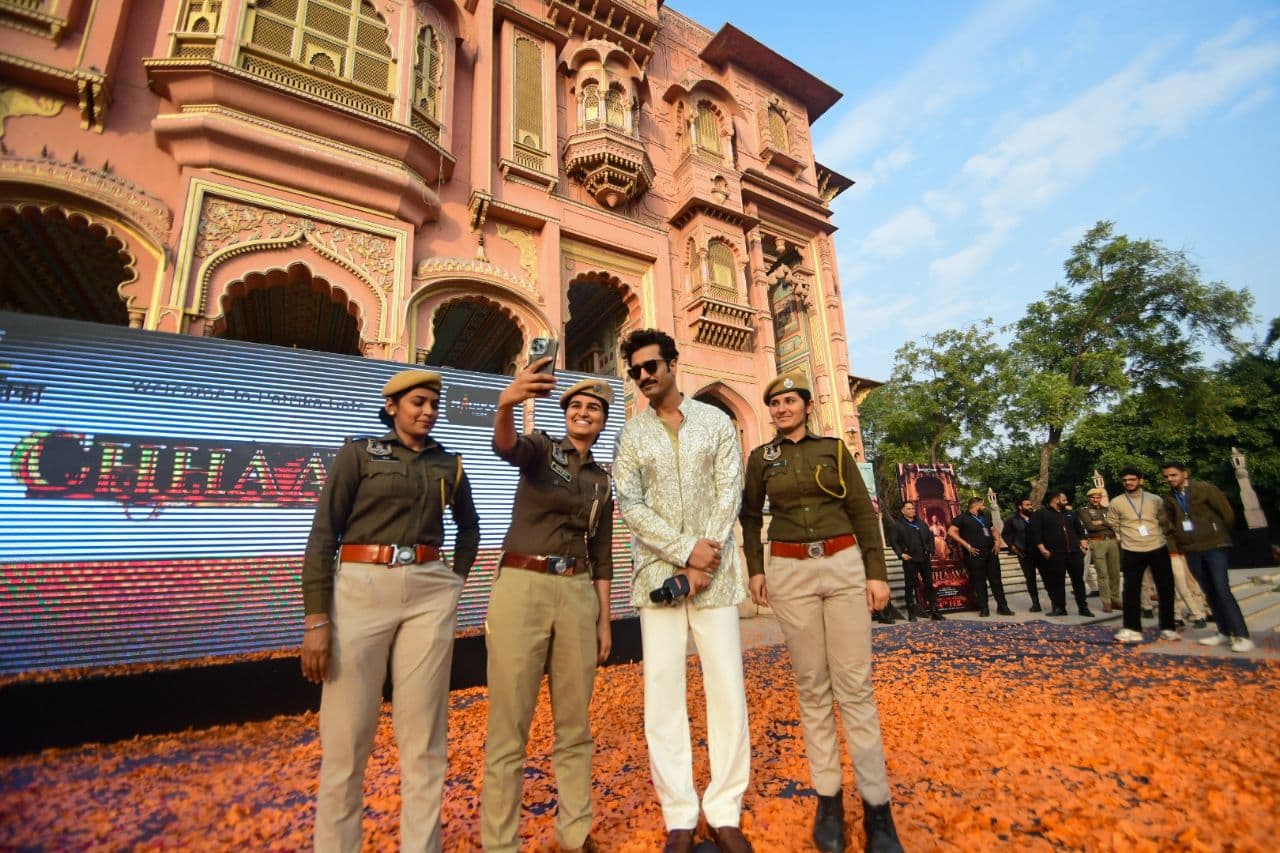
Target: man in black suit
(912, 540)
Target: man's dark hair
(641, 338)
(1173, 463)
(974, 500)
(1130, 471)
(906, 504)
(1025, 498)
(1053, 493)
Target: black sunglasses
(650, 367)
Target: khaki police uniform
(817, 585)
(542, 618)
(1104, 553)
(401, 609)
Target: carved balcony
(718, 319)
(611, 165)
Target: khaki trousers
(1184, 584)
(1104, 555)
(539, 623)
(821, 605)
(407, 614)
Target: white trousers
(665, 633)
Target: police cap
(793, 381)
(406, 379)
(597, 388)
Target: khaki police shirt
(1095, 521)
(563, 504)
(380, 492)
(790, 474)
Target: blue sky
(985, 138)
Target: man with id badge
(1138, 518)
(1199, 525)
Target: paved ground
(1255, 589)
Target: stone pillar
(1100, 483)
(997, 522)
(1254, 518)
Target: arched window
(720, 259)
(778, 131)
(615, 107)
(346, 39)
(706, 129)
(590, 104)
(428, 73)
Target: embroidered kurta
(675, 488)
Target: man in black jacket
(1015, 536)
(1059, 536)
(912, 540)
(972, 533)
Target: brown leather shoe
(679, 841)
(729, 839)
(588, 846)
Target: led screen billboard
(159, 488)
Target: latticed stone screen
(720, 258)
(707, 129)
(344, 38)
(528, 92)
(777, 130)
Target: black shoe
(1004, 611)
(1095, 594)
(911, 613)
(1148, 614)
(1035, 607)
(1084, 611)
(882, 835)
(1208, 617)
(937, 617)
(1178, 623)
(984, 612)
(886, 618)
(828, 824)
(1058, 611)
(1199, 623)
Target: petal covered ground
(998, 736)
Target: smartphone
(544, 348)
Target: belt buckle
(816, 549)
(401, 554)
(559, 565)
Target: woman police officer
(822, 591)
(389, 597)
(549, 609)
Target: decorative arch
(308, 311)
(599, 307)
(69, 262)
(630, 299)
(506, 349)
(746, 420)
(440, 287)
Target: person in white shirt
(678, 474)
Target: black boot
(828, 824)
(911, 613)
(936, 616)
(891, 613)
(882, 836)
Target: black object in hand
(674, 588)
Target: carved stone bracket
(523, 239)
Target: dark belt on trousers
(1101, 536)
(547, 564)
(390, 555)
(811, 550)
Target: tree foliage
(1130, 316)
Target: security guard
(389, 598)
(1103, 550)
(822, 590)
(549, 609)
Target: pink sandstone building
(428, 182)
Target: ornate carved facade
(435, 181)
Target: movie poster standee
(933, 490)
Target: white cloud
(957, 67)
(1039, 160)
(885, 166)
(1252, 101)
(906, 230)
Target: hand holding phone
(544, 348)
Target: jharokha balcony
(610, 164)
(719, 319)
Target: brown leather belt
(390, 555)
(548, 565)
(1101, 536)
(809, 550)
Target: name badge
(987, 531)
(561, 472)
(1187, 525)
(1142, 530)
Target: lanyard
(1181, 498)
(1137, 510)
(914, 525)
(978, 519)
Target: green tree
(1130, 316)
(939, 401)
